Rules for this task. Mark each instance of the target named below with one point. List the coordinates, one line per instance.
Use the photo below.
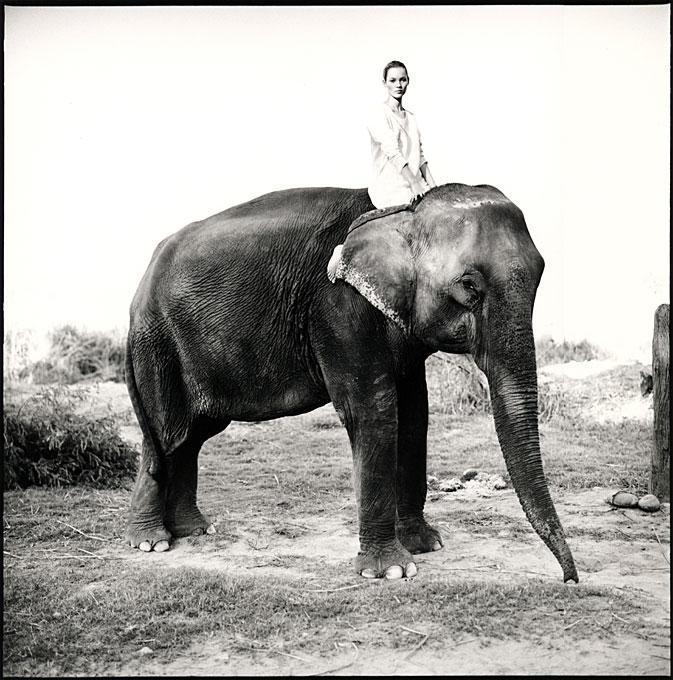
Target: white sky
(123, 124)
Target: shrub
(548, 351)
(48, 443)
(76, 355)
(457, 387)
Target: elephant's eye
(473, 293)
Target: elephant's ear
(376, 260)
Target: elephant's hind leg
(145, 529)
(182, 515)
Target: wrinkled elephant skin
(236, 319)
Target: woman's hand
(419, 188)
(418, 185)
(425, 171)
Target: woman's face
(396, 82)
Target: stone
(623, 499)
(146, 651)
(499, 483)
(452, 484)
(649, 503)
(432, 482)
(469, 474)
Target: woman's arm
(417, 188)
(425, 171)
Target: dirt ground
(625, 551)
(639, 567)
(635, 560)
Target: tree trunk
(661, 455)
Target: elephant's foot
(417, 536)
(147, 536)
(190, 522)
(391, 561)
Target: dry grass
(74, 355)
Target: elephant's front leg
(371, 421)
(412, 397)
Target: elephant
(235, 319)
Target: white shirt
(395, 142)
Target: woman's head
(395, 79)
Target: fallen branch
(95, 538)
(572, 624)
(273, 651)
(416, 648)
(334, 590)
(661, 546)
(476, 566)
(18, 557)
(90, 553)
(340, 668)
(462, 642)
(619, 618)
(524, 571)
(255, 646)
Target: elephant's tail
(151, 444)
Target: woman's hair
(393, 64)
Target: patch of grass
(457, 387)
(75, 355)
(48, 443)
(578, 454)
(99, 617)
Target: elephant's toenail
(161, 546)
(411, 570)
(145, 546)
(211, 529)
(437, 546)
(368, 573)
(394, 572)
(198, 531)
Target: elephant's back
(253, 239)
(295, 215)
(305, 210)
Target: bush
(457, 387)
(48, 443)
(548, 351)
(76, 355)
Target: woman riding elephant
(399, 172)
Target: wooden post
(661, 455)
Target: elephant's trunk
(509, 364)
